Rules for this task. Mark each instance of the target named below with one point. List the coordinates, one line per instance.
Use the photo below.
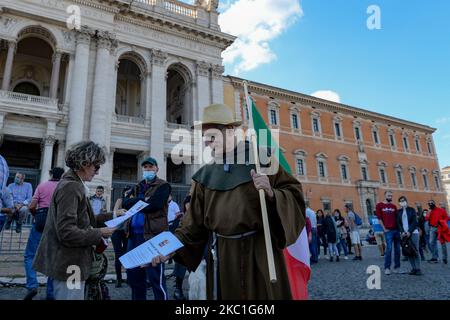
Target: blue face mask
(17, 181)
(148, 175)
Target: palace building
(137, 70)
(346, 155)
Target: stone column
(55, 74)
(2, 123)
(78, 87)
(61, 157)
(104, 71)
(203, 89)
(68, 77)
(47, 156)
(9, 65)
(217, 84)
(142, 93)
(159, 110)
(148, 96)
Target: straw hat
(219, 114)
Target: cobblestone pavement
(347, 279)
(329, 281)
(17, 292)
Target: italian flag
(297, 255)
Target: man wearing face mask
(146, 224)
(387, 216)
(408, 225)
(434, 217)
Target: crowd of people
(69, 235)
(396, 230)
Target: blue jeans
(313, 245)
(137, 277)
(392, 236)
(342, 244)
(434, 244)
(30, 252)
(2, 222)
(119, 241)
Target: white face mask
(403, 204)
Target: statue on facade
(208, 5)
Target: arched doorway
(179, 95)
(129, 89)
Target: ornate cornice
(267, 90)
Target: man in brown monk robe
(225, 216)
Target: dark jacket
(155, 214)
(69, 237)
(412, 220)
(330, 229)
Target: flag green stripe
(258, 123)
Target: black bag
(40, 218)
(408, 248)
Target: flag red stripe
(299, 274)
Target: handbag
(40, 218)
(95, 286)
(408, 248)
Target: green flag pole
(262, 195)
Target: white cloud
(443, 120)
(256, 23)
(327, 95)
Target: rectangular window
(337, 127)
(344, 171)
(294, 121)
(425, 181)
(375, 137)
(357, 134)
(405, 143)
(383, 176)
(413, 180)
(316, 125)
(392, 140)
(364, 173)
(300, 167)
(322, 169)
(326, 206)
(399, 178)
(417, 145)
(273, 117)
(430, 150)
(436, 182)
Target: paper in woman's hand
(119, 220)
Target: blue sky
(402, 70)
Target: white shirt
(173, 210)
(405, 222)
(312, 217)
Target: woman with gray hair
(66, 251)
